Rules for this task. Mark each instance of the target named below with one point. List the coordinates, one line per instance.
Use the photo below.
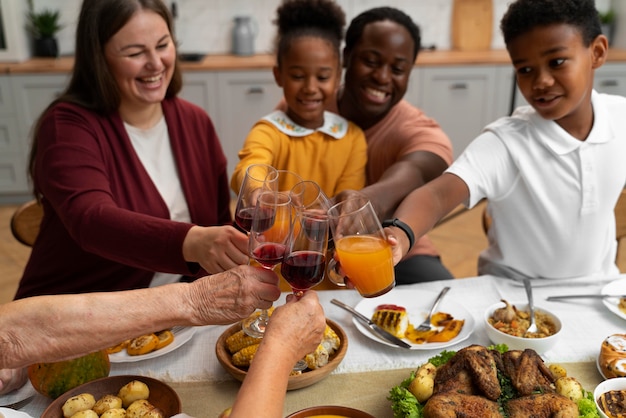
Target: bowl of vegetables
(506, 323)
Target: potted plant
(44, 25)
(607, 21)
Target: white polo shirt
(551, 197)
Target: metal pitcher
(244, 32)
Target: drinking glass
(308, 196)
(258, 178)
(362, 248)
(304, 264)
(270, 232)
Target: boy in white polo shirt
(553, 171)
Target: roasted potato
(132, 392)
(569, 387)
(107, 402)
(557, 370)
(424, 383)
(141, 408)
(85, 414)
(78, 403)
(114, 413)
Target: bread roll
(612, 358)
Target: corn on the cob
(330, 341)
(318, 358)
(243, 357)
(239, 340)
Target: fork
(531, 306)
(17, 405)
(426, 325)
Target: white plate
(12, 413)
(181, 336)
(18, 395)
(616, 287)
(417, 303)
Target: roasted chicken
(468, 386)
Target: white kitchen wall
(204, 25)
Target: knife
(378, 331)
(593, 296)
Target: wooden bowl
(161, 395)
(307, 378)
(342, 411)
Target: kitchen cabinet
(201, 89)
(464, 99)
(244, 98)
(13, 147)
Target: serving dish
(612, 288)
(618, 383)
(307, 378)
(342, 411)
(161, 395)
(181, 336)
(540, 345)
(417, 304)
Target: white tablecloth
(586, 322)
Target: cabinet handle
(255, 90)
(609, 83)
(458, 86)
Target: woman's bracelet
(404, 227)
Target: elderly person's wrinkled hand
(216, 248)
(11, 379)
(299, 324)
(233, 295)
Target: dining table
(370, 369)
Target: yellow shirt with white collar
(333, 155)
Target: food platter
(181, 336)
(417, 303)
(616, 287)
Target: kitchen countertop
(266, 61)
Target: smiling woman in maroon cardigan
(132, 179)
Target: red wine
(245, 216)
(268, 255)
(303, 269)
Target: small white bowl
(617, 383)
(540, 345)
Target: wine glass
(308, 196)
(257, 178)
(304, 262)
(270, 232)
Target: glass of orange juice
(361, 246)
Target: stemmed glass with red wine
(257, 178)
(270, 232)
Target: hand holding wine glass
(270, 232)
(304, 263)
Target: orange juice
(368, 263)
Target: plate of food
(615, 305)
(180, 335)
(489, 380)
(454, 322)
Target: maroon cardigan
(105, 225)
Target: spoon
(531, 306)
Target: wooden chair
(620, 219)
(25, 222)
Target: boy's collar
(334, 125)
(562, 142)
